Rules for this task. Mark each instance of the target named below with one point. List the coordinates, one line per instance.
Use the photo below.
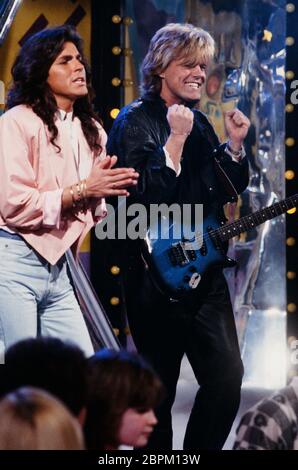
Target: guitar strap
(203, 129)
(225, 180)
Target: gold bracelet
(79, 200)
(72, 197)
(78, 186)
(83, 188)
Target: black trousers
(203, 327)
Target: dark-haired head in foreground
(50, 364)
(122, 393)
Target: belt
(14, 236)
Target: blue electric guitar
(178, 265)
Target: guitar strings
(217, 232)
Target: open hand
(104, 180)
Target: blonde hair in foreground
(174, 41)
(31, 419)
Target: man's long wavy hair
(174, 41)
(30, 72)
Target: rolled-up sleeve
(52, 205)
(100, 210)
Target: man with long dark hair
(173, 147)
(54, 173)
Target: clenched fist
(180, 119)
(237, 125)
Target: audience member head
(32, 419)
(122, 393)
(51, 364)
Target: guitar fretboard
(253, 220)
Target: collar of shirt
(83, 165)
(67, 121)
(64, 116)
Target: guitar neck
(250, 221)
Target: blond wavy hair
(174, 41)
(32, 419)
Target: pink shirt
(33, 175)
(52, 200)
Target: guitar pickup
(177, 255)
(191, 255)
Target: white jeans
(37, 299)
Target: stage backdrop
(248, 72)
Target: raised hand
(237, 125)
(180, 119)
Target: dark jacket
(137, 138)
